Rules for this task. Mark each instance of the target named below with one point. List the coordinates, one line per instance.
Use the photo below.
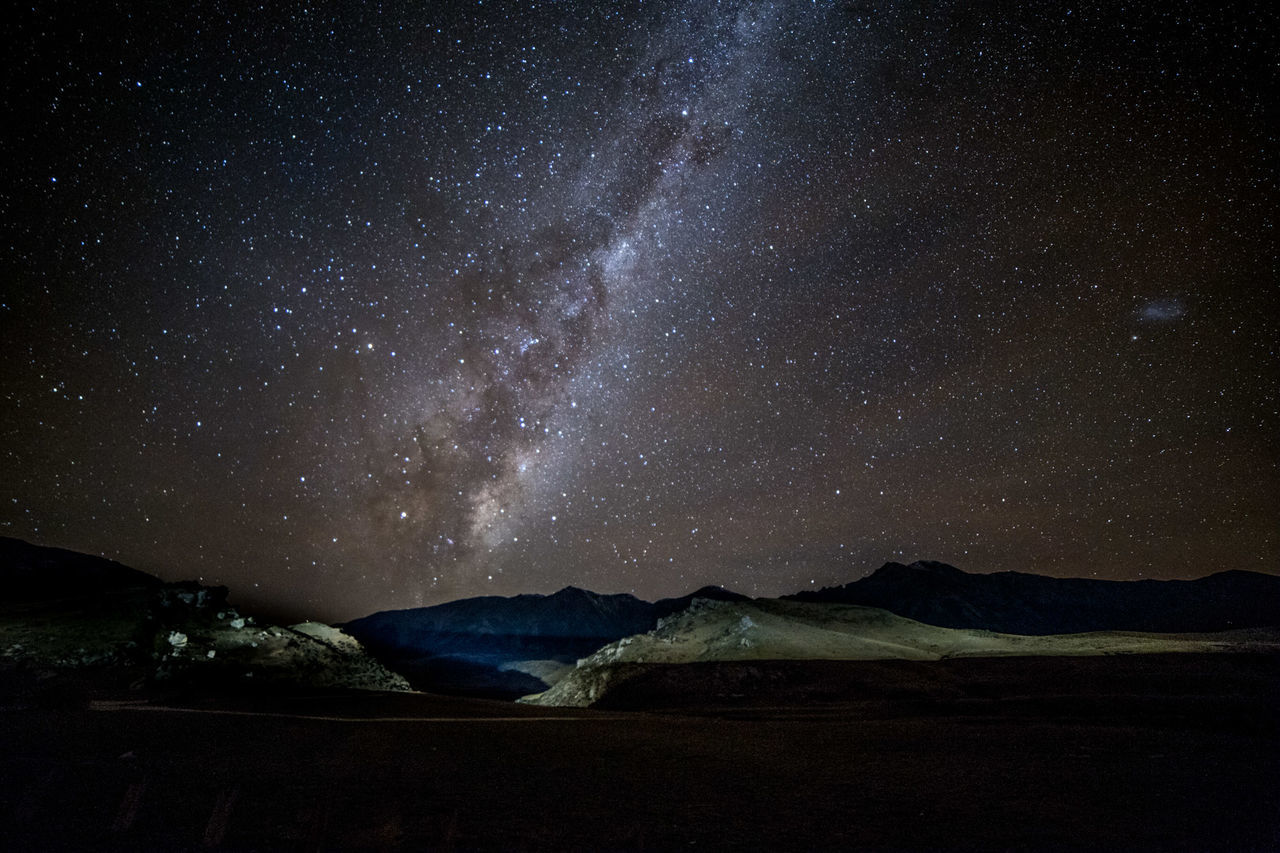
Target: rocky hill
(63, 613)
(1020, 603)
(775, 630)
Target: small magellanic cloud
(1163, 310)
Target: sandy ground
(1177, 754)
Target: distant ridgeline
(472, 645)
(494, 645)
(1019, 603)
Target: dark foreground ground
(1174, 752)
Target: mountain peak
(572, 591)
(929, 567)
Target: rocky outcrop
(99, 615)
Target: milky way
(384, 307)
(552, 309)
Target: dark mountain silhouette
(466, 646)
(1019, 603)
(31, 572)
(571, 612)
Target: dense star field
(416, 301)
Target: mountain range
(1021, 603)
(509, 646)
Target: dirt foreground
(1178, 752)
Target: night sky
(428, 300)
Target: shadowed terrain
(1166, 752)
(732, 725)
